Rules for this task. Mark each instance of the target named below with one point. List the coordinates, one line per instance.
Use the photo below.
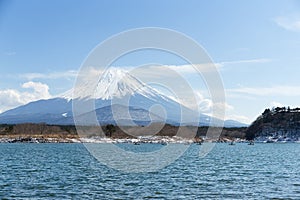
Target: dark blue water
(68, 171)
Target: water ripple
(68, 171)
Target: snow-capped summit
(117, 83)
(107, 94)
(113, 83)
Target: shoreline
(45, 133)
(140, 140)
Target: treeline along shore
(44, 133)
(280, 124)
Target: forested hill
(276, 122)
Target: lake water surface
(68, 171)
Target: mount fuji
(117, 97)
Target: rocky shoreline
(37, 140)
(154, 140)
(44, 133)
(138, 140)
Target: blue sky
(255, 44)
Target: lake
(68, 171)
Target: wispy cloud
(53, 75)
(151, 71)
(218, 65)
(10, 53)
(239, 118)
(276, 104)
(249, 61)
(155, 71)
(289, 22)
(289, 91)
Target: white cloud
(53, 75)
(229, 111)
(40, 91)
(290, 22)
(205, 105)
(290, 91)
(222, 110)
(10, 53)
(189, 68)
(249, 61)
(239, 118)
(199, 102)
(149, 71)
(11, 98)
(157, 70)
(276, 104)
(218, 65)
(193, 68)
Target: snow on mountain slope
(113, 86)
(114, 83)
(117, 83)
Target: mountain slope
(116, 88)
(116, 114)
(48, 111)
